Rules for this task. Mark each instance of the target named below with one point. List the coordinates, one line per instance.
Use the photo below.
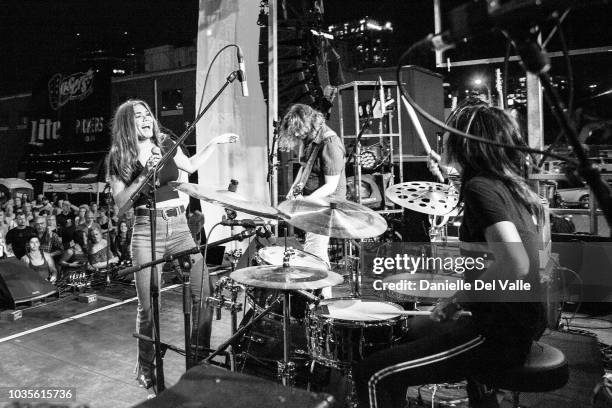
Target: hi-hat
(228, 199)
(333, 217)
(286, 277)
(424, 196)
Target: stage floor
(89, 347)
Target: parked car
(574, 197)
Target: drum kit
(339, 331)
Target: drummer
(502, 214)
(304, 127)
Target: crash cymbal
(333, 217)
(228, 199)
(286, 277)
(424, 197)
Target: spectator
(3, 250)
(49, 241)
(18, 204)
(80, 217)
(18, 237)
(100, 254)
(75, 257)
(93, 207)
(4, 224)
(65, 222)
(123, 241)
(90, 222)
(9, 217)
(39, 261)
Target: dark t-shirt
(329, 162)
(18, 239)
(487, 202)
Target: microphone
(246, 223)
(242, 72)
(156, 150)
(266, 232)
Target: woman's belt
(161, 212)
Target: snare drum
(343, 330)
(260, 298)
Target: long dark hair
(510, 166)
(123, 153)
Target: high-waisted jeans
(172, 236)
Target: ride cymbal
(334, 217)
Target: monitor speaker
(20, 284)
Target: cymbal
(424, 197)
(334, 217)
(423, 293)
(228, 199)
(286, 277)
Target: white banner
(222, 23)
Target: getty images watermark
(425, 271)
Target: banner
(222, 23)
(70, 112)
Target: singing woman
(137, 147)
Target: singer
(502, 213)
(305, 128)
(137, 147)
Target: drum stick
(419, 129)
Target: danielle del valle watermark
(422, 271)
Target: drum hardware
(285, 278)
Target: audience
(49, 241)
(18, 237)
(122, 242)
(100, 254)
(51, 234)
(39, 261)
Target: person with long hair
(304, 128)
(39, 261)
(502, 216)
(122, 242)
(137, 147)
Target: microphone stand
(151, 181)
(187, 305)
(536, 61)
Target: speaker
(207, 386)
(20, 284)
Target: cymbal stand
(219, 301)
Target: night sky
(37, 36)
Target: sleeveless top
(169, 172)
(100, 256)
(44, 270)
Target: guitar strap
(310, 163)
